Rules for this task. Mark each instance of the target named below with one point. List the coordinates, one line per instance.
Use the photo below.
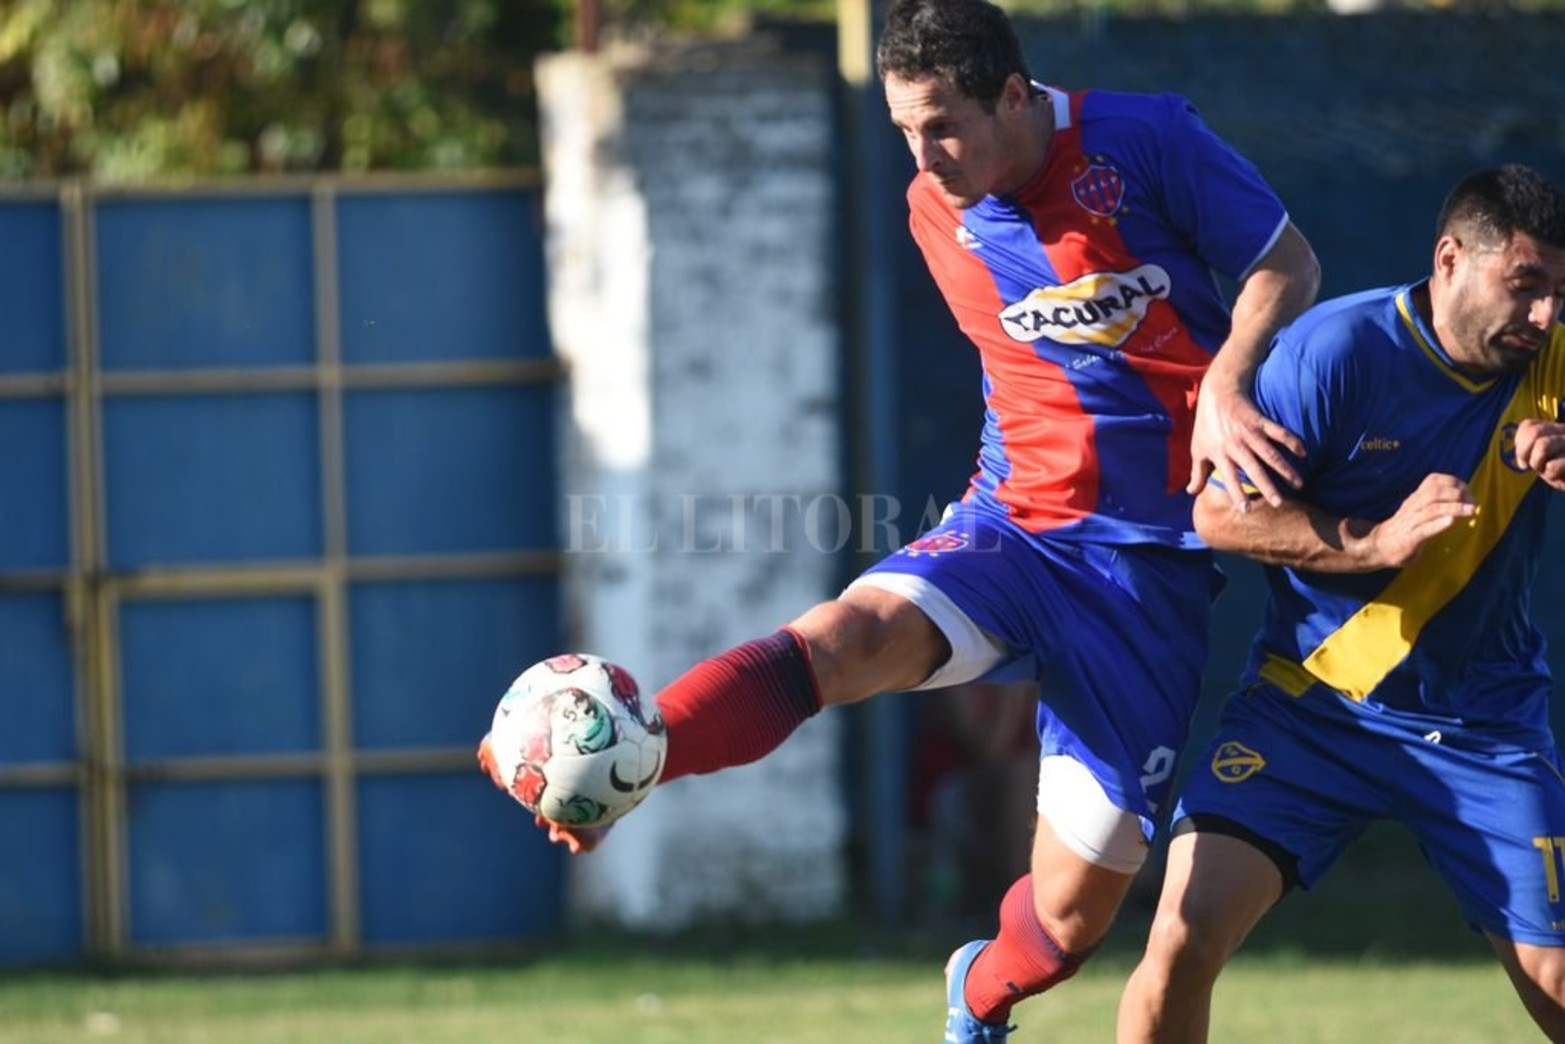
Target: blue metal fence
(276, 529)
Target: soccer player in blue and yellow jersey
(1075, 238)
(1398, 674)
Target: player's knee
(869, 641)
(1544, 967)
(1180, 955)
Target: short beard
(1501, 358)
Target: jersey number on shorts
(1553, 849)
(1155, 772)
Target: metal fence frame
(93, 592)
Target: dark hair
(969, 44)
(1493, 205)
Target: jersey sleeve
(1292, 389)
(1215, 196)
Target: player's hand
(1435, 506)
(486, 761)
(576, 840)
(1540, 447)
(1232, 437)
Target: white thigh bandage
(1084, 818)
(974, 651)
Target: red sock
(738, 707)
(1023, 961)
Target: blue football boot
(962, 1026)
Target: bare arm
(1230, 434)
(1300, 535)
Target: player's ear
(1448, 249)
(1016, 94)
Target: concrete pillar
(690, 206)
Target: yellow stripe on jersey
(1405, 310)
(1369, 644)
(1286, 675)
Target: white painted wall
(690, 210)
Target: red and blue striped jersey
(1091, 296)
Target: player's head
(1499, 272)
(959, 89)
(968, 44)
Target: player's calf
(1023, 961)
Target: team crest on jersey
(1508, 449)
(1100, 308)
(1100, 190)
(1235, 763)
(935, 543)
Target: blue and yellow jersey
(1090, 296)
(1447, 641)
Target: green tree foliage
(130, 89)
(630, 17)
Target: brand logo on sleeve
(1101, 308)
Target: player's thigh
(1120, 637)
(869, 641)
(962, 576)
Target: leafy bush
(129, 89)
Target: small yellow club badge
(1235, 763)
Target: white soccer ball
(576, 740)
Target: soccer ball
(576, 741)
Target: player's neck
(1419, 298)
(1428, 300)
(1032, 143)
(1423, 297)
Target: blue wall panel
(202, 478)
(450, 470)
(34, 525)
(36, 681)
(217, 862)
(447, 858)
(219, 676)
(205, 283)
(32, 288)
(428, 276)
(40, 877)
(212, 479)
(431, 660)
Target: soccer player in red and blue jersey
(1399, 674)
(1077, 239)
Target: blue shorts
(1115, 635)
(1306, 775)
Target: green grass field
(748, 997)
(1378, 955)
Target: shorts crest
(934, 543)
(1235, 763)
